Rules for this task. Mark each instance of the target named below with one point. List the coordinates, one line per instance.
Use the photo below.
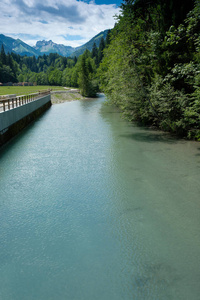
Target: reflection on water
(93, 207)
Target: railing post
(4, 106)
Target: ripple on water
(93, 207)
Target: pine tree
(3, 55)
(86, 76)
(83, 80)
(94, 50)
(101, 48)
(108, 37)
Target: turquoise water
(93, 207)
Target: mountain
(17, 46)
(7, 42)
(96, 39)
(24, 49)
(46, 47)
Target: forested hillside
(151, 69)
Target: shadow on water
(198, 154)
(151, 137)
(137, 132)
(22, 134)
(14, 140)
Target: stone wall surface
(14, 120)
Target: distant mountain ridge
(17, 46)
(51, 47)
(96, 39)
(46, 47)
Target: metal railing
(8, 102)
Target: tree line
(54, 69)
(151, 68)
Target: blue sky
(68, 22)
(100, 2)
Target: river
(95, 208)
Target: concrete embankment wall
(14, 120)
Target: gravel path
(68, 95)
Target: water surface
(93, 207)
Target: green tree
(86, 78)
(94, 53)
(100, 51)
(3, 56)
(151, 67)
(55, 77)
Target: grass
(25, 90)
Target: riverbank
(67, 95)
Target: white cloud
(55, 19)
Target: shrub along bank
(151, 68)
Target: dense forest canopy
(46, 69)
(149, 65)
(151, 69)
